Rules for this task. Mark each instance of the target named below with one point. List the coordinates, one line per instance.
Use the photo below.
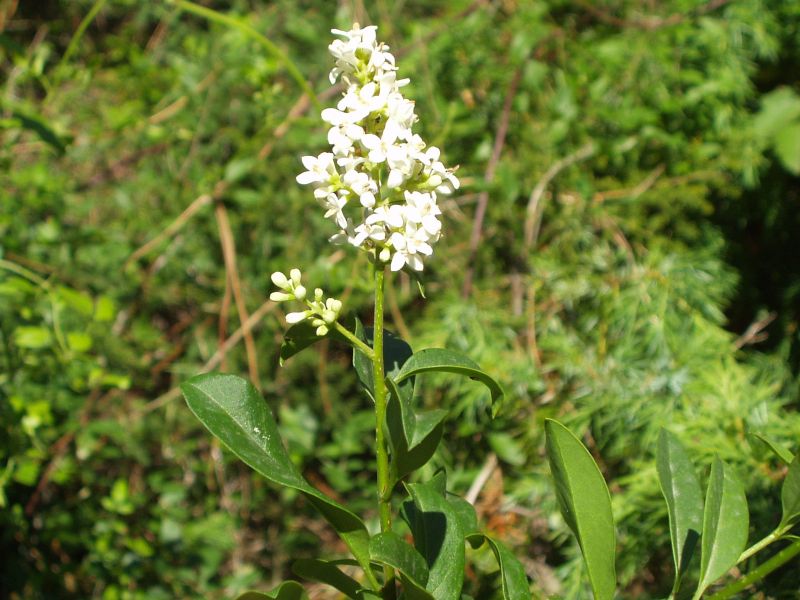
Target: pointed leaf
(234, 411)
(405, 422)
(684, 501)
(790, 494)
(725, 525)
(512, 573)
(778, 449)
(288, 590)
(585, 504)
(439, 538)
(389, 549)
(405, 461)
(448, 361)
(465, 513)
(396, 352)
(327, 572)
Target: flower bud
(322, 330)
(295, 276)
(280, 296)
(296, 317)
(280, 280)
(300, 292)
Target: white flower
(321, 311)
(376, 157)
(334, 206)
(321, 169)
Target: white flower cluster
(322, 312)
(377, 160)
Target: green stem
(268, 45)
(760, 545)
(378, 371)
(759, 572)
(84, 24)
(365, 350)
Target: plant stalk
(382, 455)
(362, 347)
(760, 545)
(759, 572)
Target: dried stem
(232, 273)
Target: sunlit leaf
(448, 361)
(233, 410)
(327, 572)
(512, 574)
(439, 538)
(778, 449)
(389, 549)
(790, 494)
(585, 504)
(725, 525)
(288, 590)
(684, 499)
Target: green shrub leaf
(396, 352)
(778, 449)
(233, 410)
(790, 494)
(327, 572)
(684, 499)
(389, 549)
(725, 525)
(512, 573)
(448, 361)
(406, 459)
(439, 538)
(288, 590)
(585, 504)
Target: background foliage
(637, 164)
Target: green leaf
(302, 335)
(389, 549)
(33, 338)
(449, 361)
(233, 410)
(725, 525)
(405, 460)
(790, 494)
(396, 352)
(684, 499)
(288, 590)
(778, 449)
(465, 513)
(327, 572)
(585, 504)
(787, 147)
(413, 436)
(512, 573)
(439, 538)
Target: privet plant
(379, 185)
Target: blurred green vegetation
(637, 267)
